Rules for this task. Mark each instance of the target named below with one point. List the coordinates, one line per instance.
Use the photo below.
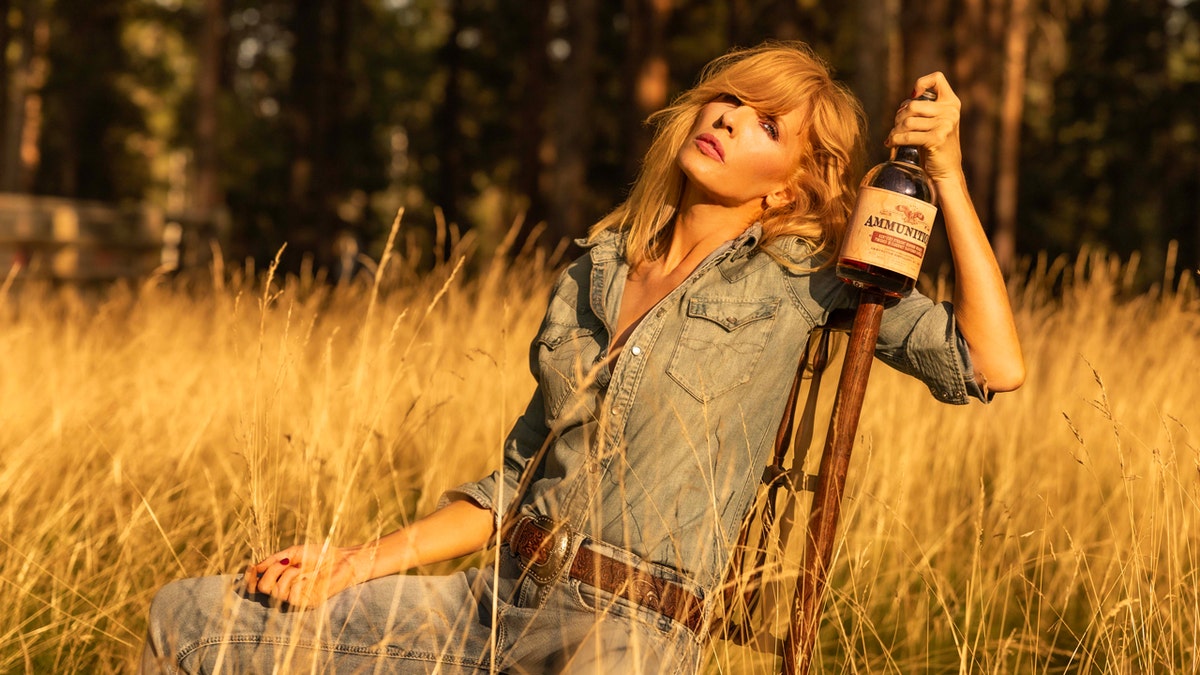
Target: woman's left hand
(933, 127)
(305, 575)
(981, 306)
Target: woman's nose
(731, 120)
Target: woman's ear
(781, 197)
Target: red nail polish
(285, 561)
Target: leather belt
(545, 546)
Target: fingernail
(285, 561)
(915, 93)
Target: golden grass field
(180, 428)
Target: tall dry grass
(180, 429)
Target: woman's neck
(701, 226)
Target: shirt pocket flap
(732, 314)
(554, 335)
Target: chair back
(757, 556)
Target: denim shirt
(660, 452)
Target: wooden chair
(764, 531)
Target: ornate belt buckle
(548, 560)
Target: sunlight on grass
(182, 427)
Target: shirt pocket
(567, 357)
(721, 343)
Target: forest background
(306, 121)
(183, 425)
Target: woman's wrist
(392, 554)
(950, 182)
(361, 562)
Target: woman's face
(735, 155)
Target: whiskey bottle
(888, 231)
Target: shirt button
(637, 351)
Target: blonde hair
(774, 78)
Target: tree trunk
(1004, 235)
(878, 70)
(738, 24)
(647, 72)
(14, 107)
(27, 101)
(319, 95)
(572, 127)
(788, 22)
(304, 89)
(6, 140)
(531, 124)
(925, 45)
(977, 85)
(336, 108)
(925, 51)
(209, 195)
(449, 149)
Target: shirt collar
(606, 246)
(745, 243)
(610, 244)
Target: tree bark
(788, 22)
(337, 111)
(573, 123)
(738, 24)
(6, 140)
(878, 71)
(925, 45)
(1004, 235)
(14, 107)
(27, 122)
(978, 86)
(301, 220)
(647, 71)
(925, 51)
(531, 124)
(449, 148)
(209, 195)
(319, 97)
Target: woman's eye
(770, 127)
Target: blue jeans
(416, 624)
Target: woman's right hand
(305, 575)
(309, 574)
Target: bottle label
(889, 230)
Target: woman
(662, 366)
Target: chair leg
(831, 483)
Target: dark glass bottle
(886, 235)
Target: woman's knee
(184, 608)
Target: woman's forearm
(458, 529)
(981, 305)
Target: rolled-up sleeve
(496, 491)
(920, 338)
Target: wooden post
(831, 482)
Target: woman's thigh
(584, 631)
(394, 624)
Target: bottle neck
(909, 154)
